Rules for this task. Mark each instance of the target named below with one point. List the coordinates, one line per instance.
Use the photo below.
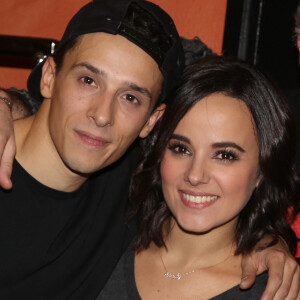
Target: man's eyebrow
(89, 67)
(180, 138)
(228, 144)
(139, 89)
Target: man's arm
(283, 271)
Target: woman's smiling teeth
(198, 199)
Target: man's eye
(87, 80)
(131, 98)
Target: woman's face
(210, 167)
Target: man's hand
(7, 145)
(284, 272)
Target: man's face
(101, 100)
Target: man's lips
(91, 140)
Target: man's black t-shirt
(58, 245)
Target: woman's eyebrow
(228, 144)
(180, 138)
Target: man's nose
(102, 110)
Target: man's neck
(38, 156)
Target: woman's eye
(179, 149)
(87, 80)
(226, 156)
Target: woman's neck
(190, 250)
(194, 266)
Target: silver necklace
(178, 275)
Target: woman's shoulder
(254, 292)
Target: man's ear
(155, 116)
(48, 78)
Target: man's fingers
(249, 271)
(6, 162)
(5, 181)
(289, 288)
(295, 288)
(7, 146)
(276, 271)
(283, 270)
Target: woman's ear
(258, 180)
(48, 78)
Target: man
(62, 225)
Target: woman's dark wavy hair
(267, 210)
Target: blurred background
(47, 19)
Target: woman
(216, 176)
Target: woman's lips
(193, 200)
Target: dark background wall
(261, 32)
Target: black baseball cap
(107, 16)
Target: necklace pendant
(173, 276)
